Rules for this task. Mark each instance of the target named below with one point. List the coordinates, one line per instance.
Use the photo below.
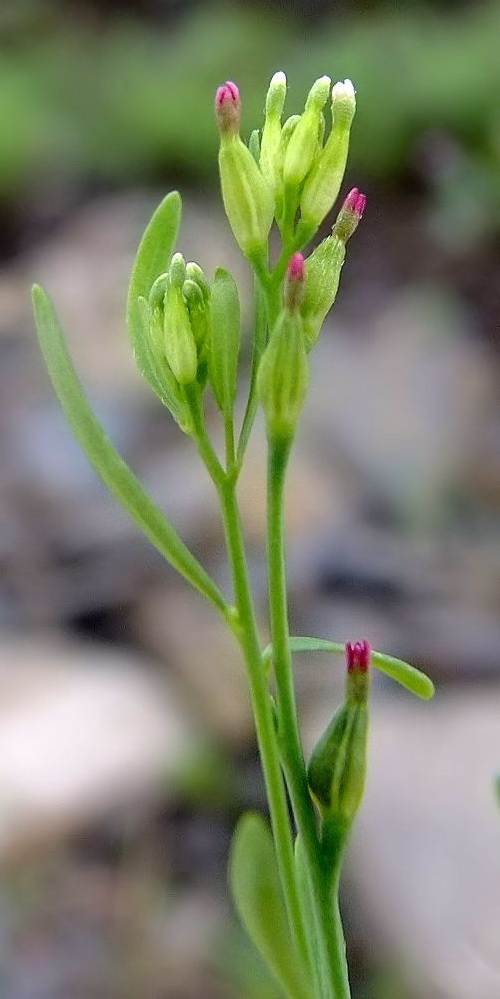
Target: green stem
(333, 984)
(264, 722)
(229, 443)
(245, 628)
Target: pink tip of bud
(227, 107)
(228, 93)
(355, 202)
(294, 285)
(296, 268)
(358, 656)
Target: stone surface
(424, 868)
(82, 731)
(189, 636)
(401, 407)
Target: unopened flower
(350, 215)
(323, 184)
(228, 108)
(294, 282)
(337, 768)
(302, 146)
(248, 198)
(271, 133)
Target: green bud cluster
(178, 320)
(290, 169)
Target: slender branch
(264, 722)
(333, 982)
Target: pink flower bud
(355, 202)
(294, 284)
(228, 108)
(350, 215)
(358, 656)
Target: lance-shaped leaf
(111, 467)
(225, 339)
(413, 679)
(256, 889)
(152, 259)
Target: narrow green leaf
(153, 257)
(256, 889)
(410, 677)
(111, 467)
(225, 339)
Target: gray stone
(83, 731)
(424, 867)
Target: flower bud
(271, 132)
(294, 282)
(283, 371)
(337, 768)
(286, 134)
(195, 273)
(228, 108)
(248, 199)
(157, 293)
(164, 381)
(324, 267)
(323, 184)
(350, 215)
(198, 311)
(180, 345)
(177, 270)
(302, 146)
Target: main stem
(331, 947)
(264, 722)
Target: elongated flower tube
(337, 768)
(247, 196)
(303, 143)
(325, 264)
(323, 184)
(271, 133)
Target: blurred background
(126, 745)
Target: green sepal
(337, 769)
(283, 375)
(410, 677)
(179, 342)
(225, 339)
(248, 199)
(257, 894)
(323, 269)
(163, 380)
(152, 259)
(109, 464)
(254, 144)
